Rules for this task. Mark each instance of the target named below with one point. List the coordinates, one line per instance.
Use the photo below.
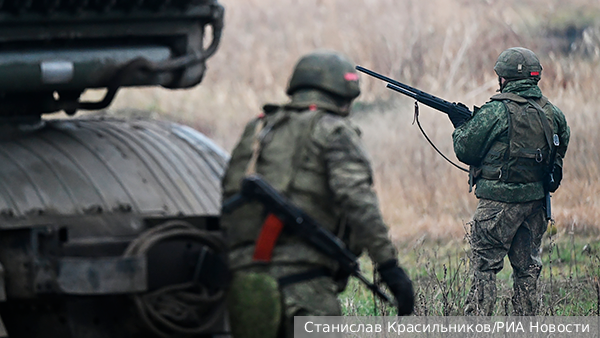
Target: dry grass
(446, 47)
(568, 285)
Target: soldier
(509, 145)
(309, 151)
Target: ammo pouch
(525, 157)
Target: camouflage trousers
(314, 297)
(499, 229)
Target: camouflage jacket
(474, 138)
(315, 157)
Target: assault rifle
(423, 97)
(297, 222)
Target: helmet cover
(518, 63)
(328, 71)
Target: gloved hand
(457, 116)
(400, 285)
(552, 186)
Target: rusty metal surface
(108, 167)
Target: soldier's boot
(524, 299)
(482, 296)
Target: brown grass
(446, 47)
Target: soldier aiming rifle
(514, 145)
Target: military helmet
(328, 71)
(518, 63)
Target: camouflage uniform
(311, 152)
(510, 217)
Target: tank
(108, 227)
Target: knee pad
(254, 304)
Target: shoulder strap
(263, 128)
(260, 131)
(251, 167)
(548, 130)
(301, 147)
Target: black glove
(340, 278)
(400, 285)
(458, 116)
(557, 174)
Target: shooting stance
(515, 145)
(308, 151)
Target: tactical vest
(525, 157)
(284, 136)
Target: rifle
(428, 100)
(421, 96)
(550, 179)
(297, 222)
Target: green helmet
(328, 71)
(518, 63)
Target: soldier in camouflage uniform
(508, 144)
(309, 151)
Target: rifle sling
(251, 167)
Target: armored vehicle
(108, 227)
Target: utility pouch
(474, 173)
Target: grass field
(448, 48)
(569, 284)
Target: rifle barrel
(402, 91)
(379, 76)
(419, 95)
(398, 83)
